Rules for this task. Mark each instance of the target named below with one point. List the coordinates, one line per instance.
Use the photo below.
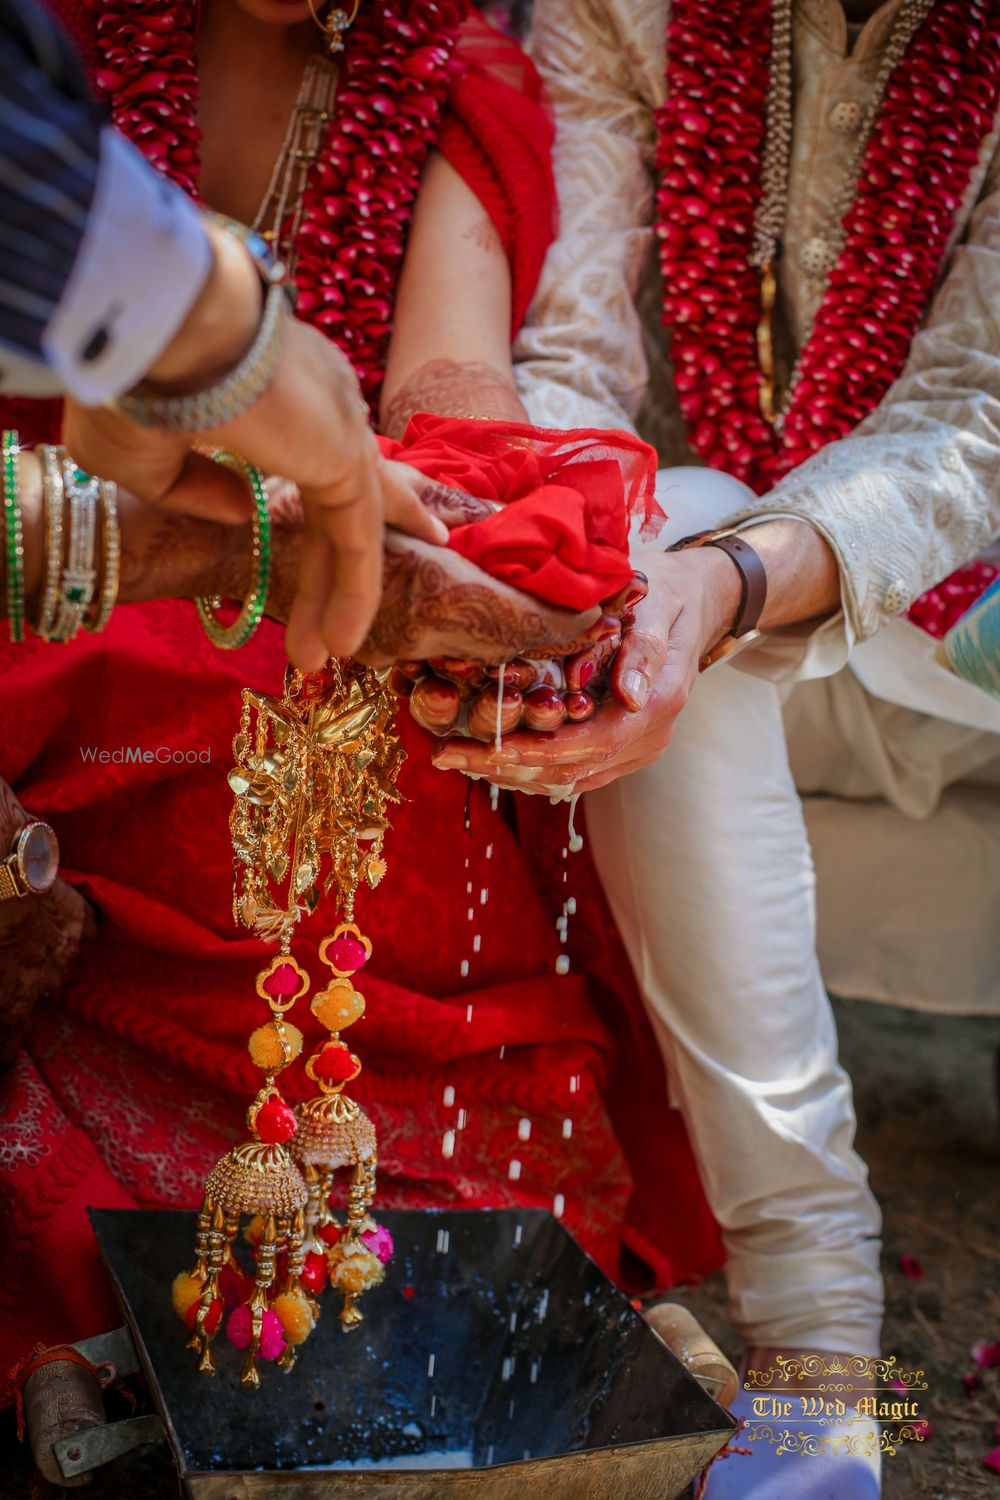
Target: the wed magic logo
(144, 755)
(821, 1404)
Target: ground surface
(928, 1126)
(929, 1129)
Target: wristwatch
(33, 863)
(753, 596)
(248, 381)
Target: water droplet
(559, 1205)
(477, 942)
(443, 1241)
(502, 1052)
(430, 1368)
(494, 797)
(543, 1305)
(448, 1097)
(484, 895)
(507, 1369)
(489, 1454)
(575, 841)
(570, 907)
(468, 887)
(562, 964)
(468, 1013)
(510, 1412)
(574, 1083)
(567, 1129)
(434, 1405)
(489, 851)
(471, 913)
(514, 1170)
(463, 968)
(524, 1129)
(518, 1234)
(534, 1371)
(462, 1118)
(448, 1145)
(513, 1322)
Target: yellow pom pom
(185, 1291)
(338, 1005)
(353, 1268)
(266, 1051)
(297, 1317)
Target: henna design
(485, 236)
(452, 387)
(434, 603)
(454, 507)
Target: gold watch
(33, 863)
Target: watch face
(37, 856)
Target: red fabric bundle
(568, 500)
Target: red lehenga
(135, 1076)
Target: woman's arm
(450, 350)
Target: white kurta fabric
(705, 854)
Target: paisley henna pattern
(453, 388)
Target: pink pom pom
(379, 1242)
(272, 1335)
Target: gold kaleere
(314, 775)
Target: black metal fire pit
(496, 1360)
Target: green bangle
(13, 535)
(230, 637)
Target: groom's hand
(693, 598)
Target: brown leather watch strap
(754, 576)
(748, 564)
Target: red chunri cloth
(568, 500)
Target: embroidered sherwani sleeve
(914, 492)
(579, 358)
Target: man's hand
(692, 600)
(310, 425)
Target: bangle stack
(13, 536)
(230, 637)
(70, 595)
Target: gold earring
(335, 24)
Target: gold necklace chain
(772, 211)
(300, 149)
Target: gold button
(816, 256)
(896, 598)
(846, 116)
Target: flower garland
(939, 105)
(397, 72)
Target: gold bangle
(111, 539)
(230, 637)
(53, 500)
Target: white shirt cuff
(143, 260)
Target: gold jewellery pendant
(314, 775)
(335, 24)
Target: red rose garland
(938, 107)
(397, 72)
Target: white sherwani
(705, 855)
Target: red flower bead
(336, 1064)
(275, 1122)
